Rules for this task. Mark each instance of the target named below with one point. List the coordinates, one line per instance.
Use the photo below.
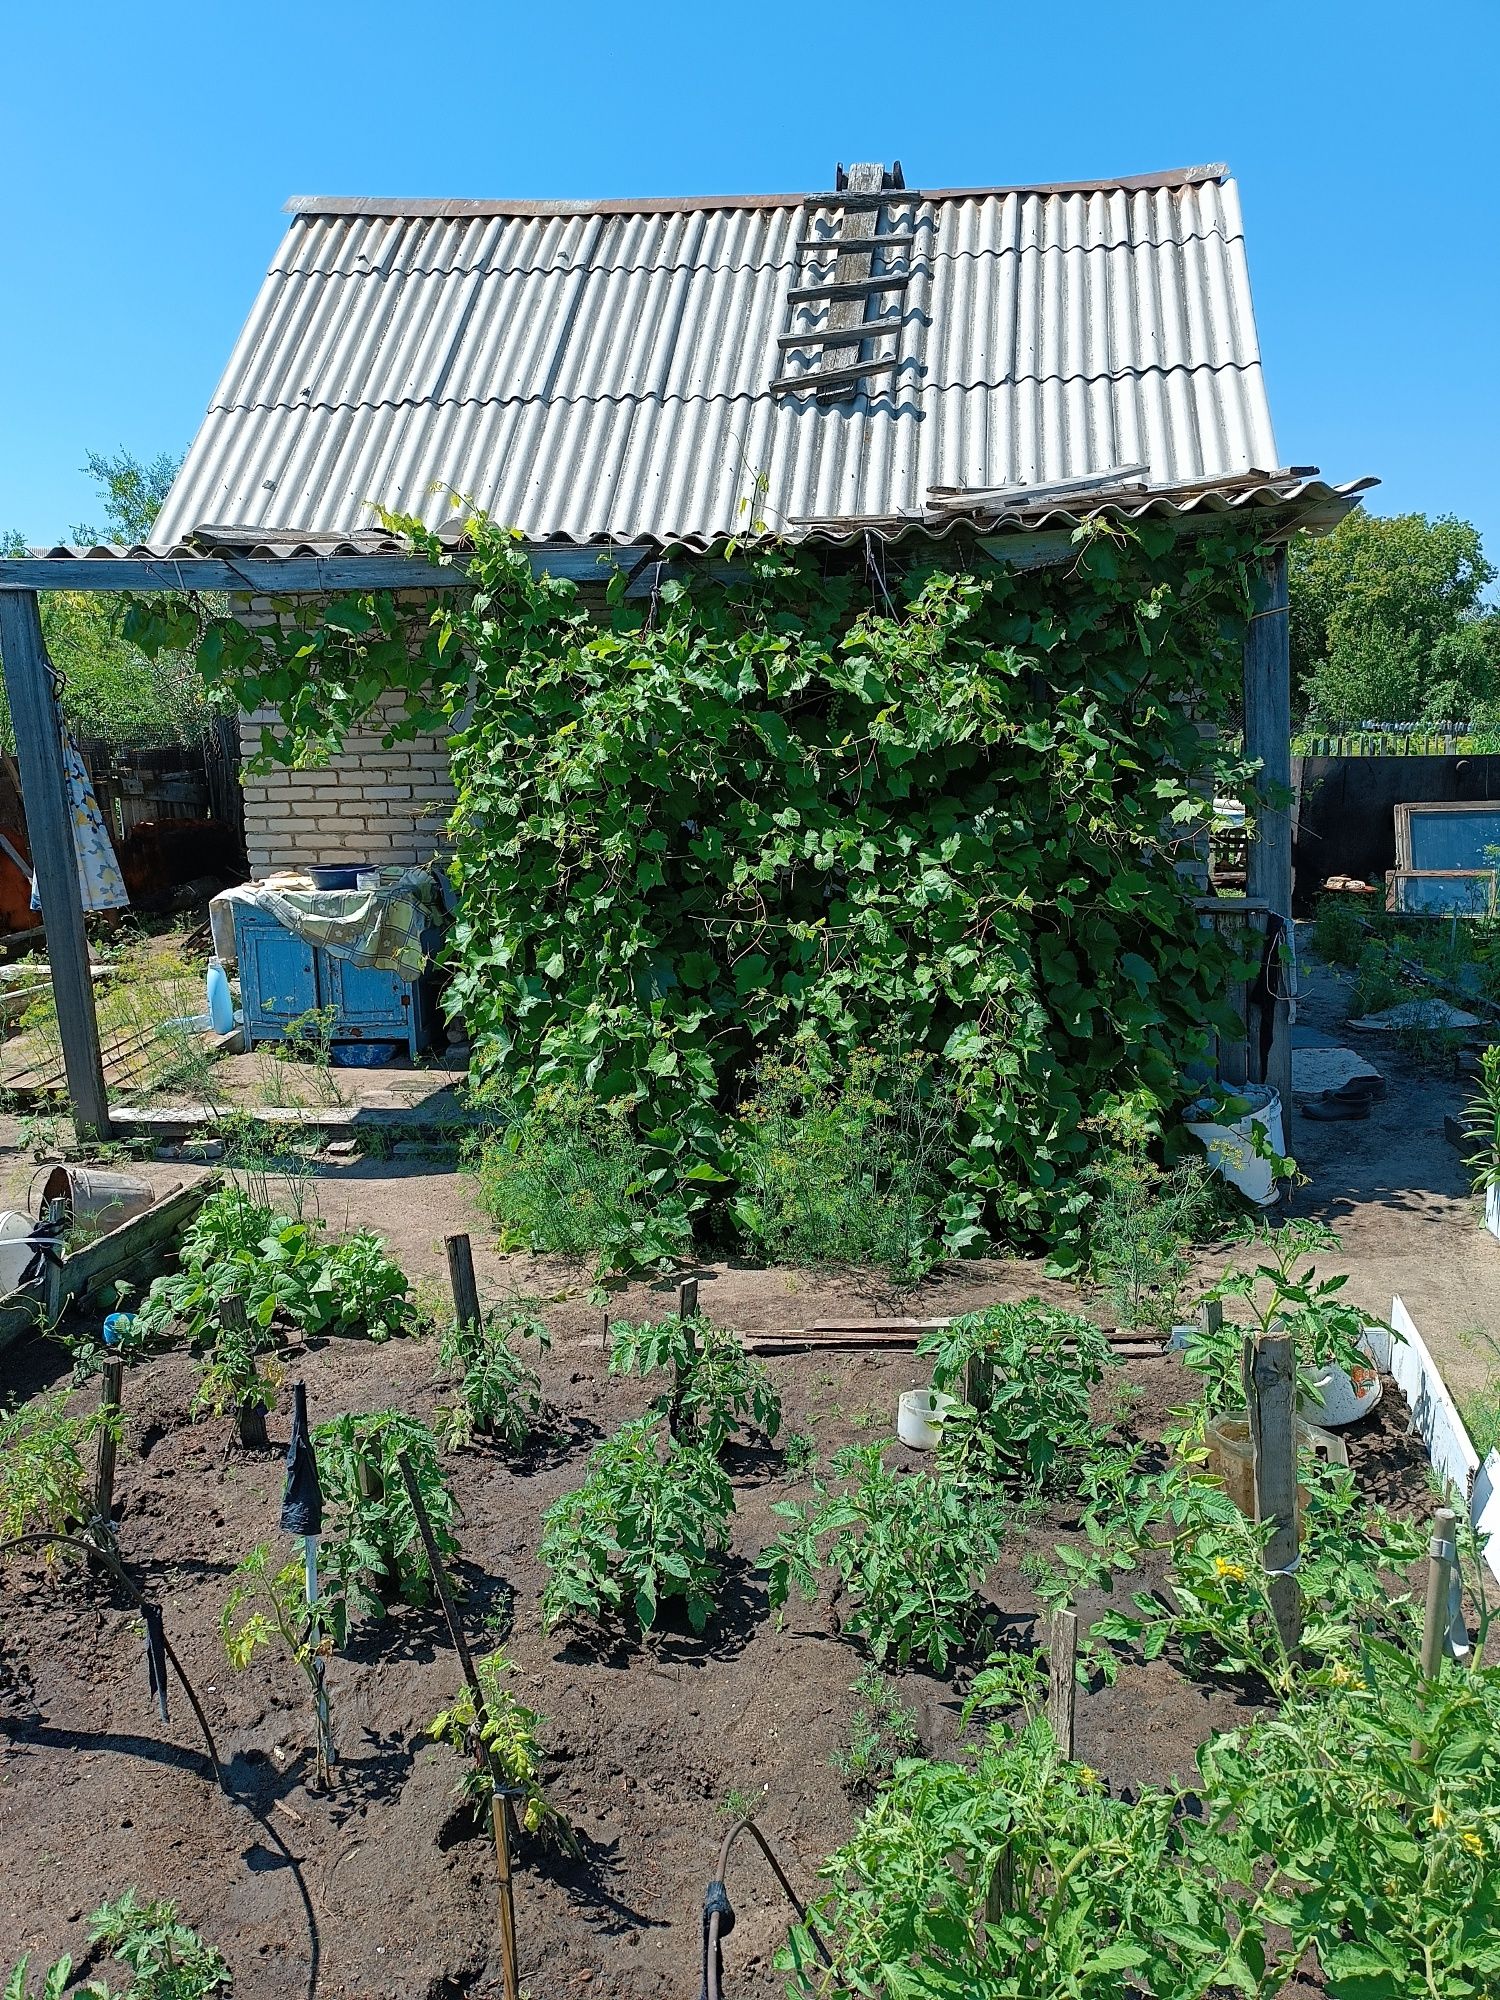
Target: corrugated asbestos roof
(604, 371)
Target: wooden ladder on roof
(851, 290)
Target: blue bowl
(363, 1055)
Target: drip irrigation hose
(718, 1915)
(103, 1552)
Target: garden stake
(302, 1515)
(1442, 1554)
(1271, 1392)
(483, 1756)
(104, 1471)
(687, 1311)
(1062, 1682)
(461, 1277)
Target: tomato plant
(718, 1390)
(649, 1523)
(510, 1737)
(499, 1395)
(373, 1551)
(908, 1550)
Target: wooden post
(104, 1468)
(1268, 739)
(1271, 1385)
(465, 1286)
(1210, 1317)
(1441, 1554)
(498, 1820)
(1062, 1682)
(49, 827)
(687, 1311)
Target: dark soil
(383, 1886)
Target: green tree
(132, 493)
(1389, 622)
(110, 688)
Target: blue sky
(148, 152)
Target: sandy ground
(1396, 1191)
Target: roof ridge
(458, 209)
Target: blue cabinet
(282, 977)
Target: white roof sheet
(605, 372)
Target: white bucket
(1228, 1146)
(919, 1417)
(15, 1249)
(1347, 1395)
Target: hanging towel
(100, 883)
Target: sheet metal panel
(606, 374)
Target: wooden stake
(1062, 1684)
(104, 1470)
(687, 1311)
(1210, 1317)
(498, 1818)
(1271, 1391)
(1441, 1555)
(466, 1309)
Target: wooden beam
(834, 378)
(848, 288)
(1268, 739)
(49, 828)
(289, 576)
(835, 245)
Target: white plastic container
(1347, 1395)
(1229, 1148)
(15, 1248)
(919, 1418)
(1492, 1210)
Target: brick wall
(367, 804)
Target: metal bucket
(94, 1195)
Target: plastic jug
(220, 1000)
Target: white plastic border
(1436, 1420)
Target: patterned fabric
(377, 927)
(100, 883)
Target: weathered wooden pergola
(34, 710)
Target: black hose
(716, 1908)
(102, 1551)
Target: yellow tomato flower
(1087, 1777)
(1234, 1571)
(1472, 1841)
(1439, 1816)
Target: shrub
(846, 1170)
(499, 1396)
(569, 1176)
(510, 1738)
(278, 1265)
(374, 1551)
(45, 1486)
(649, 1523)
(1032, 1368)
(718, 1389)
(909, 1553)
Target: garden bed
(653, 1747)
